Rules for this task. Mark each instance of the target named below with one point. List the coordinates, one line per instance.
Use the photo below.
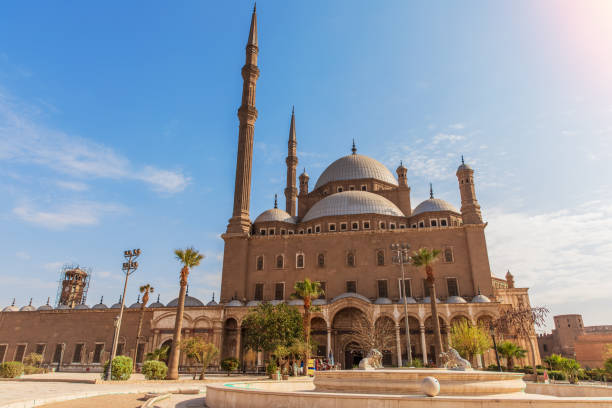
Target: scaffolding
(74, 282)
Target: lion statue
(372, 361)
(452, 360)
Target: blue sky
(118, 129)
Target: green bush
(271, 368)
(121, 370)
(33, 359)
(34, 370)
(557, 375)
(416, 362)
(230, 364)
(11, 369)
(154, 370)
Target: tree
(425, 258)
(145, 290)
(307, 291)
(268, 327)
(201, 351)
(230, 364)
(190, 258)
(554, 361)
(608, 365)
(469, 340)
(368, 336)
(160, 354)
(511, 351)
(571, 368)
(521, 322)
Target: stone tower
(292, 161)
(403, 190)
(470, 209)
(73, 286)
(247, 114)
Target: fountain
(457, 384)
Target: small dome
(296, 302)
(409, 300)
(464, 166)
(275, 214)
(45, 307)
(383, 301)
(355, 167)
(456, 299)
(253, 303)
(352, 202)
(135, 305)
(28, 308)
(65, 307)
(156, 304)
(319, 302)
(481, 299)
(190, 301)
(11, 308)
(434, 205)
(81, 306)
(428, 300)
(351, 295)
(99, 306)
(116, 305)
(276, 302)
(234, 303)
(212, 303)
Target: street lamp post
(492, 330)
(401, 256)
(129, 267)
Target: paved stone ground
(25, 394)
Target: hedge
(121, 370)
(154, 370)
(11, 369)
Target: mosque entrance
(352, 356)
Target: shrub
(154, 370)
(557, 375)
(11, 369)
(271, 368)
(121, 369)
(417, 363)
(34, 370)
(33, 359)
(230, 364)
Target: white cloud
(457, 126)
(84, 213)
(24, 141)
(23, 255)
(447, 137)
(563, 256)
(53, 266)
(72, 185)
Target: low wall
(569, 390)
(273, 394)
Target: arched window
(260, 263)
(299, 261)
(321, 260)
(380, 258)
(280, 261)
(448, 255)
(350, 259)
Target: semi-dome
(234, 303)
(455, 299)
(354, 167)
(352, 202)
(383, 301)
(81, 306)
(275, 214)
(434, 205)
(135, 305)
(99, 306)
(479, 298)
(409, 300)
(11, 308)
(427, 299)
(28, 308)
(190, 301)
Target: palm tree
(307, 290)
(511, 351)
(425, 258)
(145, 290)
(190, 258)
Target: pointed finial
(292, 110)
(462, 161)
(213, 296)
(354, 149)
(479, 289)
(138, 300)
(13, 304)
(187, 291)
(292, 137)
(253, 29)
(30, 302)
(430, 191)
(401, 163)
(275, 201)
(101, 299)
(48, 300)
(254, 7)
(120, 297)
(158, 298)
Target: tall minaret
(470, 209)
(240, 222)
(292, 161)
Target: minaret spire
(240, 222)
(354, 149)
(291, 191)
(275, 201)
(431, 191)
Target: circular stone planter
(407, 381)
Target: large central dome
(354, 167)
(352, 202)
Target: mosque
(339, 233)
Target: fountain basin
(408, 381)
